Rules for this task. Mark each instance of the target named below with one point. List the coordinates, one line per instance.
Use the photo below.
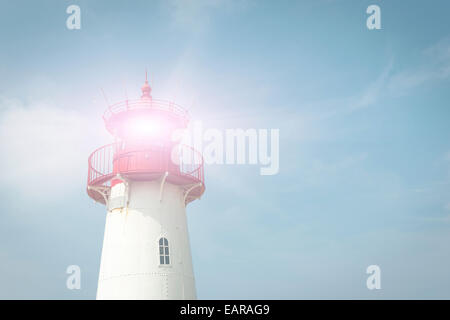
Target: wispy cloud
(373, 92)
(435, 67)
(44, 148)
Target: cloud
(436, 68)
(439, 51)
(44, 148)
(332, 107)
(372, 93)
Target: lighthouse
(145, 178)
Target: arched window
(164, 251)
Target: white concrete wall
(130, 266)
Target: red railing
(145, 103)
(100, 165)
(108, 161)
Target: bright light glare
(144, 128)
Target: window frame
(165, 248)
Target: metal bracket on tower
(104, 192)
(163, 180)
(189, 190)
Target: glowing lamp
(143, 128)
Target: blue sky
(364, 141)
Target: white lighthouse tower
(145, 179)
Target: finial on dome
(146, 89)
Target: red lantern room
(144, 149)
